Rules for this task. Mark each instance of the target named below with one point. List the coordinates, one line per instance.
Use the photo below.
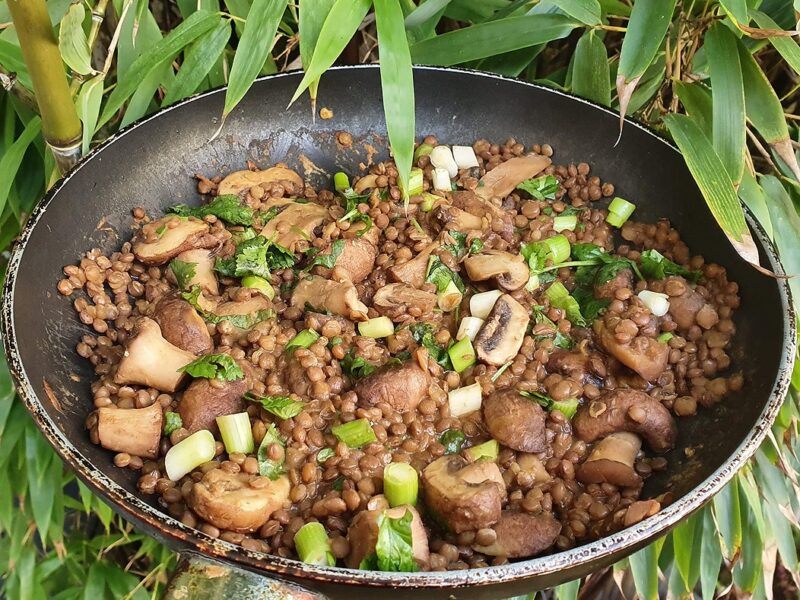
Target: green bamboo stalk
(60, 124)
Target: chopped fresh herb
(161, 230)
(567, 407)
(354, 433)
(351, 212)
(540, 188)
(665, 337)
(282, 407)
(335, 341)
(452, 440)
(184, 272)
(459, 246)
(247, 233)
(393, 550)
(255, 256)
(356, 367)
(172, 422)
(268, 467)
(475, 246)
(441, 275)
(302, 340)
(328, 260)
(591, 306)
(214, 366)
(424, 336)
(500, 371)
(229, 208)
(571, 210)
(560, 340)
(273, 212)
(656, 266)
(338, 484)
(325, 454)
(245, 321)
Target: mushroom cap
(294, 224)
(515, 421)
(338, 297)
(452, 217)
(612, 460)
(136, 431)
(188, 233)
(520, 535)
(363, 535)
(586, 367)
(507, 175)
(241, 181)
(510, 270)
(472, 203)
(403, 386)
(684, 308)
(413, 271)
(645, 355)
(501, 336)
(203, 401)
(392, 301)
(357, 259)
(181, 326)
(231, 501)
(204, 274)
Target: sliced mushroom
(205, 400)
(585, 367)
(645, 355)
(640, 510)
(501, 180)
(403, 387)
(238, 501)
(395, 299)
(687, 308)
(135, 431)
(626, 410)
(500, 338)
(520, 535)
(510, 270)
(241, 181)
(340, 298)
(294, 224)
(204, 274)
(612, 460)
(163, 240)
(497, 219)
(452, 217)
(363, 535)
(151, 360)
(357, 259)
(623, 279)
(531, 464)
(515, 421)
(464, 496)
(413, 271)
(245, 314)
(182, 326)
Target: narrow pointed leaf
(89, 100)
(736, 9)
(586, 11)
(491, 38)
(786, 46)
(644, 567)
(312, 14)
(12, 158)
(697, 102)
(753, 196)
(590, 76)
(728, 516)
(11, 59)
(568, 591)
(728, 99)
(786, 224)
(683, 542)
(710, 556)
(715, 184)
(781, 529)
(72, 40)
(253, 49)
(421, 23)
(748, 569)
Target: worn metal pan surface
(152, 164)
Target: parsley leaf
(325, 454)
(540, 188)
(184, 272)
(459, 246)
(228, 207)
(172, 422)
(424, 336)
(255, 256)
(245, 321)
(393, 549)
(351, 212)
(656, 266)
(267, 467)
(282, 407)
(560, 340)
(441, 275)
(214, 366)
(452, 440)
(328, 260)
(356, 367)
(567, 407)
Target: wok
(152, 163)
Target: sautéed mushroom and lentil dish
(484, 369)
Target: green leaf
(748, 570)
(728, 99)
(786, 46)
(782, 529)
(683, 544)
(647, 27)
(11, 58)
(714, 182)
(540, 188)
(491, 38)
(728, 516)
(253, 49)
(397, 82)
(421, 22)
(644, 568)
(226, 207)
(172, 422)
(586, 11)
(266, 466)
(312, 15)
(710, 556)
(12, 158)
(393, 549)
(753, 196)
(786, 224)
(338, 29)
(590, 73)
(736, 10)
(282, 407)
(184, 272)
(200, 58)
(72, 42)
(214, 366)
(95, 585)
(89, 100)
(568, 591)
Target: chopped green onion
(236, 432)
(533, 283)
(565, 223)
(260, 284)
(428, 201)
(422, 150)
(500, 371)
(341, 182)
(559, 298)
(303, 339)
(465, 400)
(619, 211)
(379, 327)
(558, 248)
(567, 407)
(489, 450)
(665, 337)
(450, 297)
(172, 422)
(313, 546)
(355, 433)
(469, 328)
(556, 292)
(325, 454)
(400, 484)
(189, 453)
(480, 305)
(462, 354)
(415, 181)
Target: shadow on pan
(152, 165)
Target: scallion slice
(619, 211)
(480, 305)
(565, 223)
(236, 432)
(313, 545)
(379, 327)
(556, 292)
(559, 298)
(465, 400)
(355, 433)
(422, 150)
(189, 453)
(462, 354)
(415, 182)
(260, 284)
(429, 201)
(469, 328)
(400, 484)
(341, 182)
(302, 340)
(489, 450)
(558, 248)
(665, 337)
(450, 297)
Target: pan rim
(140, 511)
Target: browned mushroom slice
(500, 338)
(623, 279)
(626, 410)
(234, 502)
(495, 216)
(690, 307)
(413, 271)
(645, 355)
(162, 240)
(205, 400)
(640, 510)
(520, 535)
(403, 387)
(294, 224)
(464, 496)
(509, 270)
(151, 360)
(241, 181)
(182, 326)
(501, 180)
(136, 431)
(611, 461)
(586, 367)
(363, 535)
(357, 259)
(515, 421)
(340, 298)
(395, 299)
(452, 217)
(204, 274)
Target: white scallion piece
(442, 158)
(469, 327)
(189, 453)
(656, 302)
(465, 400)
(441, 180)
(465, 157)
(480, 305)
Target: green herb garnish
(229, 208)
(540, 188)
(282, 407)
(184, 272)
(214, 366)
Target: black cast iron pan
(152, 163)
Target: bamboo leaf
(89, 100)
(586, 11)
(646, 30)
(728, 99)
(421, 23)
(786, 46)
(340, 25)
(728, 516)
(491, 38)
(697, 102)
(397, 82)
(715, 184)
(644, 568)
(568, 591)
(590, 75)
(753, 196)
(12, 158)
(781, 529)
(11, 59)
(748, 569)
(312, 15)
(72, 42)
(736, 10)
(254, 47)
(200, 58)
(683, 545)
(786, 223)
(710, 556)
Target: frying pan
(152, 163)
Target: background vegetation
(732, 66)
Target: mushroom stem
(136, 431)
(612, 460)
